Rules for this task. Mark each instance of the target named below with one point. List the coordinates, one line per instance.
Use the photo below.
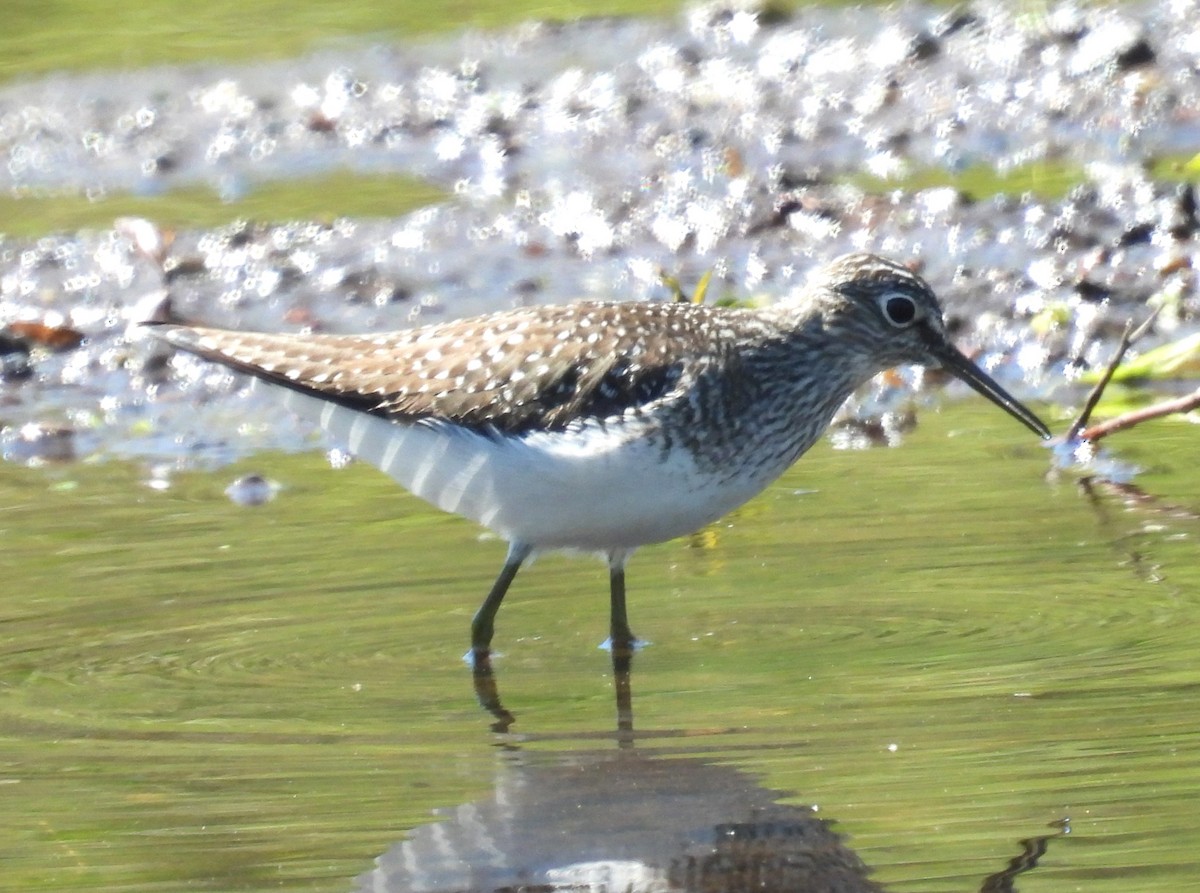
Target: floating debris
(14, 358)
(50, 336)
(252, 489)
(37, 444)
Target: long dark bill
(955, 361)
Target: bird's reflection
(487, 690)
(629, 821)
(620, 822)
(634, 823)
(1133, 539)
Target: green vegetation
(1176, 167)
(73, 35)
(1046, 179)
(324, 197)
(1174, 360)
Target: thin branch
(1128, 338)
(1167, 407)
(1098, 389)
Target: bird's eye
(899, 310)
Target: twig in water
(1128, 338)
(1127, 420)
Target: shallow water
(933, 646)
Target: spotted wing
(512, 371)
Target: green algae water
(933, 646)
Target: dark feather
(515, 371)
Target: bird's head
(894, 314)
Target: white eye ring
(898, 309)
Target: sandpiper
(603, 426)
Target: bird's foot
(480, 659)
(631, 645)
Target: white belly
(590, 490)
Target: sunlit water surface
(932, 647)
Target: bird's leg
(620, 636)
(623, 643)
(482, 627)
(484, 623)
(623, 690)
(488, 693)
